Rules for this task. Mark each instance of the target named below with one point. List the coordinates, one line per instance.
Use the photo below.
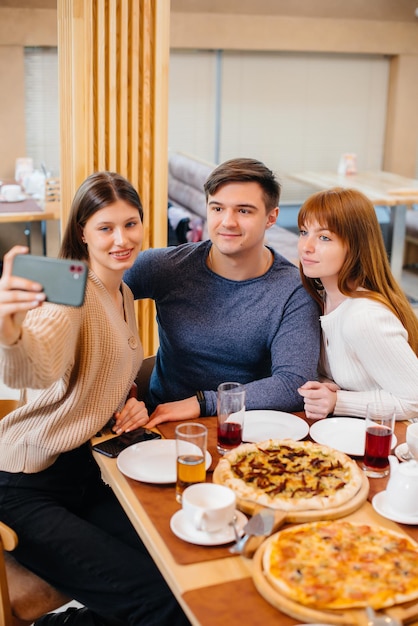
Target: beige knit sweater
(76, 366)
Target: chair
(8, 541)
(143, 376)
(24, 597)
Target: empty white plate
(152, 461)
(261, 425)
(346, 434)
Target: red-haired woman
(369, 329)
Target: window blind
(42, 108)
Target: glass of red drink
(231, 410)
(380, 424)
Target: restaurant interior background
(295, 84)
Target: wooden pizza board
(348, 617)
(310, 515)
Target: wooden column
(401, 141)
(113, 66)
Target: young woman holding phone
(76, 366)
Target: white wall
(294, 111)
(192, 103)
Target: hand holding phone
(114, 446)
(63, 280)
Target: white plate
(346, 434)
(262, 425)
(18, 199)
(183, 529)
(152, 461)
(380, 505)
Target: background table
(29, 211)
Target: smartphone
(112, 447)
(63, 280)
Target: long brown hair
(351, 216)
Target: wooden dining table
(28, 211)
(383, 189)
(211, 584)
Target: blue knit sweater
(263, 332)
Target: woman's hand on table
(319, 398)
(133, 415)
(175, 411)
(17, 296)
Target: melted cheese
(337, 565)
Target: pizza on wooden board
(342, 565)
(290, 475)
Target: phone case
(113, 447)
(63, 280)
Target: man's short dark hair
(245, 171)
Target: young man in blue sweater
(229, 308)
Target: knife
(262, 524)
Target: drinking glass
(191, 444)
(380, 424)
(231, 411)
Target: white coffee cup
(209, 507)
(412, 439)
(11, 192)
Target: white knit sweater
(368, 356)
(77, 366)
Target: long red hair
(351, 216)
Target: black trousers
(74, 533)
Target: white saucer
(183, 529)
(402, 452)
(380, 505)
(18, 199)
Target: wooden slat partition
(114, 57)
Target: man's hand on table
(175, 411)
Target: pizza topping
(339, 565)
(289, 474)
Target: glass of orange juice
(191, 444)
